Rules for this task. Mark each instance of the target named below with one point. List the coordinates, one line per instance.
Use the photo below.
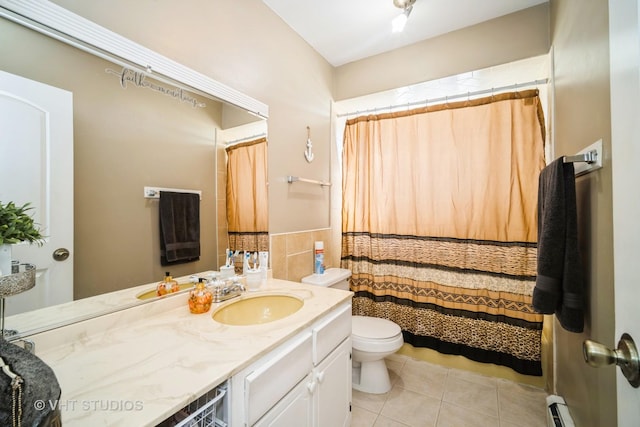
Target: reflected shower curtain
(439, 225)
(247, 201)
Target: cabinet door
(333, 388)
(294, 410)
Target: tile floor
(424, 394)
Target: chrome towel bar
(292, 179)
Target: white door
(36, 166)
(625, 156)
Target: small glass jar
(167, 286)
(200, 298)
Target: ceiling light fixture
(398, 23)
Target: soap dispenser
(167, 286)
(200, 298)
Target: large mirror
(131, 129)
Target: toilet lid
(373, 327)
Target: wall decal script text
(139, 79)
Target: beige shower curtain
(247, 201)
(439, 225)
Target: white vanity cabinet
(304, 382)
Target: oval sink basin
(257, 309)
(152, 292)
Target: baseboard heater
(558, 412)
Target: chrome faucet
(223, 291)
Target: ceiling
(344, 31)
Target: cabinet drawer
(330, 332)
(265, 386)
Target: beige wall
(221, 203)
(516, 36)
(581, 55)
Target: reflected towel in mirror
(179, 227)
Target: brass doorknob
(625, 356)
(61, 254)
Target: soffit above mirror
(59, 23)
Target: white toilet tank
(333, 278)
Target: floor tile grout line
(451, 374)
(499, 406)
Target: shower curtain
(439, 225)
(247, 201)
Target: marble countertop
(139, 365)
(46, 318)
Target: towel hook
(308, 153)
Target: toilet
(372, 338)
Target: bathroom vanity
(141, 365)
(304, 382)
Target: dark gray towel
(179, 227)
(559, 283)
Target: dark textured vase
(40, 385)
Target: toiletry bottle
(168, 285)
(245, 262)
(200, 298)
(319, 258)
(263, 257)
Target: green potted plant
(16, 225)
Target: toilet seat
(373, 334)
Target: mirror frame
(63, 25)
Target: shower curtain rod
(425, 102)
(246, 138)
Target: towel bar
(589, 157)
(154, 192)
(588, 160)
(292, 179)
